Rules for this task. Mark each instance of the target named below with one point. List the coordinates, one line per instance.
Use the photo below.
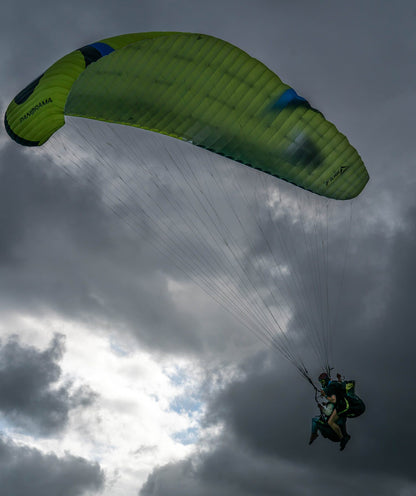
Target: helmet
(324, 379)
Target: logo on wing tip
(336, 174)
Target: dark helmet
(324, 379)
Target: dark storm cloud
(266, 414)
(233, 470)
(25, 470)
(62, 248)
(390, 345)
(29, 398)
(31, 191)
(263, 448)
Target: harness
(347, 406)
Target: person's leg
(314, 430)
(334, 426)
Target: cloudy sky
(119, 376)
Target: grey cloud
(266, 413)
(78, 255)
(374, 344)
(233, 470)
(25, 470)
(263, 446)
(28, 397)
(64, 249)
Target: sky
(118, 374)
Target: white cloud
(147, 413)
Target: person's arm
(332, 399)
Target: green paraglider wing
(199, 89)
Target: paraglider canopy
(199, 89)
